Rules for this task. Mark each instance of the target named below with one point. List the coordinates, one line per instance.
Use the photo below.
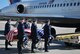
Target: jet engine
(20, 8)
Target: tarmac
(56, 47)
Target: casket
(12, 35)
(27, 31)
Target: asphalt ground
(56, 47)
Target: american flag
(10, 35)
(13, 33)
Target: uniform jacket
(46, 30)
(20, 29)
(7, 28)
(34, 31)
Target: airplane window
(34, 6)
(70, 4)
(60, 5)
(45, 6)
(78, 3)
(75, 4)
(37, 6)
(49, 5)
(55, 5)
(52, 5)
(67, 4)
(64, 5)
(40, 6)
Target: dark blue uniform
(34, 36)
(7, 29)
(20, 37)
(46, 35)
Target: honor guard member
(33, 35)
(7, 29)
(20, 36)
(46, 34)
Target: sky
(4, 3)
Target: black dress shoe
(48, 44)
(46, 51)
(10, 44)
(32, 52)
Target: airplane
(61, 13)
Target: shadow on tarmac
(55, 45)
(28, 51)
(62, 46)
(14, 51)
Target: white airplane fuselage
(70, 9)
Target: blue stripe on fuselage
(15, 1)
